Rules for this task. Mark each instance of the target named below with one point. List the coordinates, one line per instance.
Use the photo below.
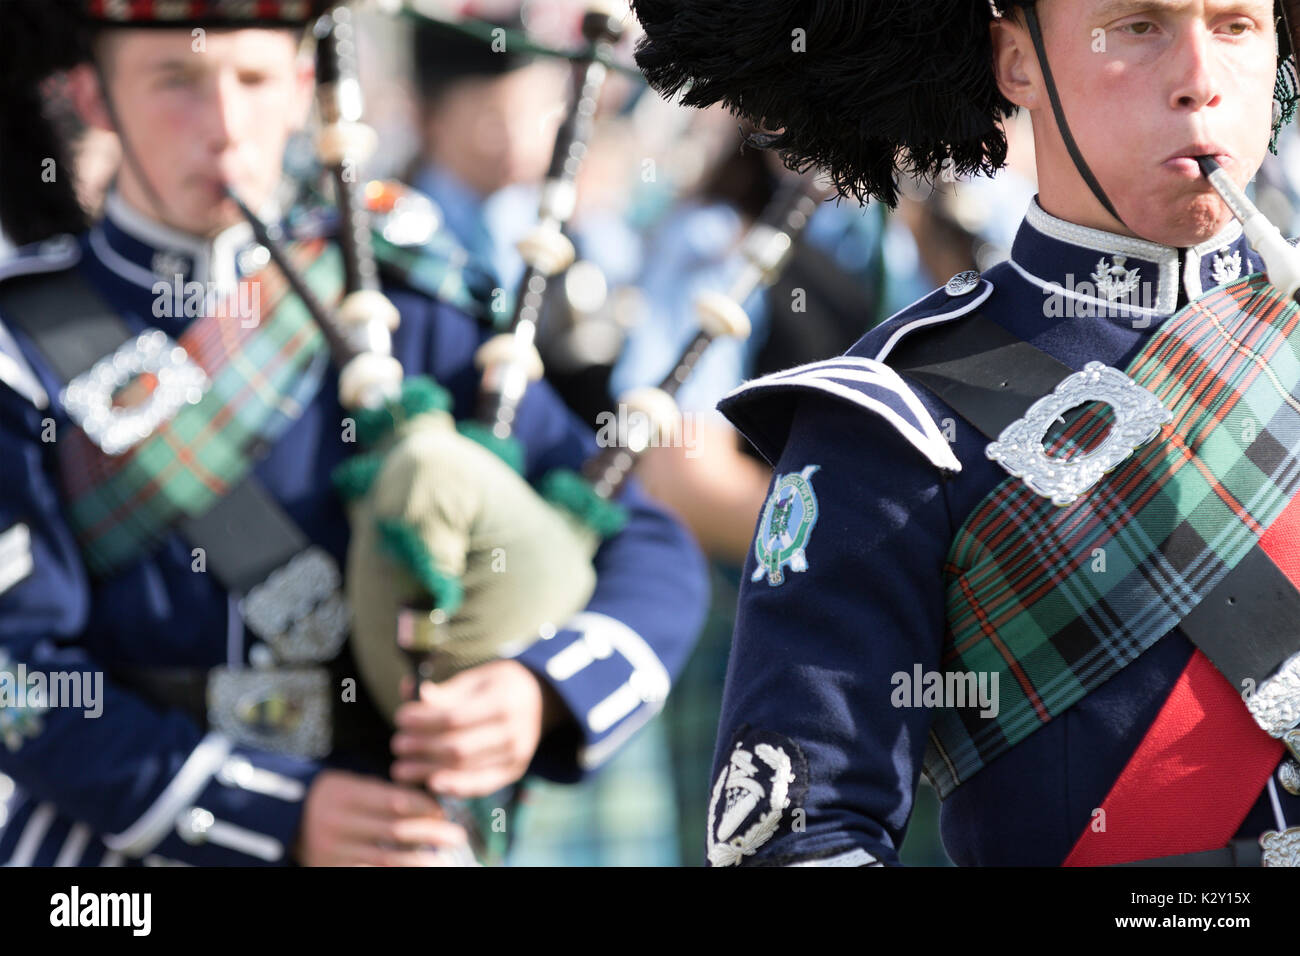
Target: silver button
(962, 283)
(193, 825)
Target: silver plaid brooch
(1138, 418)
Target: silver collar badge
(1226, 268)
(1115, 281)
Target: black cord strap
(1036, 34)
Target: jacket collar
(145, 252)
(1107, 271)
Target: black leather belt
(357, 728)
(1237, 853)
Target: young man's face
(1145, 86)
(197, 115)
(495, 131)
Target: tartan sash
(262, 377)
(1057, 600)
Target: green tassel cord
(563, 488)
(508, 450)
(569, 490)
(1286, 96)
(419, 395)
(353, 478)
(403, 544)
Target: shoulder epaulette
(763, 409)
(53, 255)
(961, 295)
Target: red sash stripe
(1202, 764)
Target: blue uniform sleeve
(100, 770)
(818, 755)
(613, 663)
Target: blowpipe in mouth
(1236, 200)
(1281, 260)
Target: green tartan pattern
(443, 270)
(1057, 600)
(261, 378)
(622, 816)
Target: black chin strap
(1283, 26)
(128, 152)
(1036, 34)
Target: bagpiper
(1032, 537)
(176, 684)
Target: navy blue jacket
(813, 657)
(112, 789)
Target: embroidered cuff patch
(758, 791)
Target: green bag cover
(444, 517)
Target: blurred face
(197, 115)
(492, 132)
(1146, 85)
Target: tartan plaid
(622, 816)
(261, 378)
(440, 268)
(1026, 597)
(215, 12)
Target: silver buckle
(1138, 417)
(88, 398)
(1275, 705)
(299, 610)
(284, 709)
(1281, 849)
